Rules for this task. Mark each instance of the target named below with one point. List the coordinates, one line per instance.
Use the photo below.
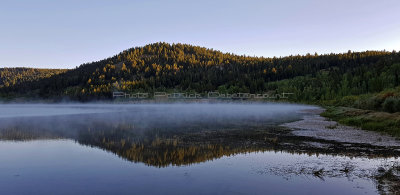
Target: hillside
(14, 76)
(181, 67)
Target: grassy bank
(383, 122)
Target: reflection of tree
(180, 144)
(161, 149)
(19, 133)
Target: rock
(381, 169)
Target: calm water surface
(171, 149)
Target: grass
(388, 123)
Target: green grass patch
(388, 123)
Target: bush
(391, 104)
(348, 100)
(374, 103)
(397, 105)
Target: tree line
(182, 67)
(12, 76)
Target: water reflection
(245, 138)
(66, 167)
(163, 135)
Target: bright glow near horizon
(67, 33)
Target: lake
(203, 148)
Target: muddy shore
(316, 126)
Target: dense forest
(348, 78)
(13, 76)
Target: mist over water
(215, 109)
(147, 115)
(188, 148)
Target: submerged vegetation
(389, 180)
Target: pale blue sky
(67, 33)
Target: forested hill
(181, 67)
(13, 76)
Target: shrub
(397, 105)
(348, 100)
(391, 104)
(374, 103)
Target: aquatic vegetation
(388, 181)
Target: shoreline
(314, 125)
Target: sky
(67, 33)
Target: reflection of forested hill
(159, 149)
(170, 143)
(26, 134)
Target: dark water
(172, 149)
